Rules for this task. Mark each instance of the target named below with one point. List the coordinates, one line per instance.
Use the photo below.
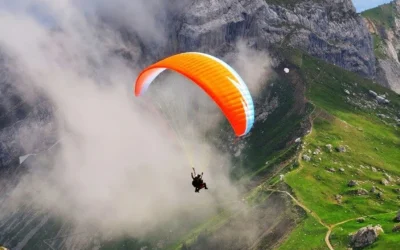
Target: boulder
(382, 99)
(365, 236)
(306, 158)
(352, 183)
(317, 151)
(388, 177)
(332, 170)
(329, 147)
(384, 182)
(381, 116)
(359, 192)
(361, 220)
(341, 149)
(373, 189)
(373, 93)
(338, 198)
(396, 228)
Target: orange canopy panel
(220, 81)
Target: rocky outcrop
(365, 236)
(330, 30)
(352, 183)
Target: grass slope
(373, 149)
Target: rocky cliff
(330, 30)
(383, 23)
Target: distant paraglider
(220, 81)
(286, 70)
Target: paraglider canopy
(220, 81)
(286, 70)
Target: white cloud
(118, 169)
(121, 167)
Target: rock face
(330, 30)
(387, 40)
(365, 236)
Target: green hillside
(372, 154)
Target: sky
(362, 5)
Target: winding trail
(329, 227)
(309, 212)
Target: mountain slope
(384, 25)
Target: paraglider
(220, 82)
(286, 70)
(198, 182)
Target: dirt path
(329, 227)
(311, 119)
(302, 206)
(309, 212)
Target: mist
(124, 162)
